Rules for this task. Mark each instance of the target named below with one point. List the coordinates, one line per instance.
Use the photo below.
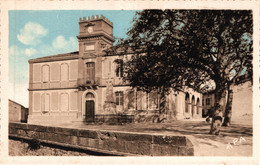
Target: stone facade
(87, 85)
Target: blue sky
(34, 34)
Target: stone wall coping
(136, 143)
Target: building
(87, 85)
(242, 104)
(241, 107)
(17, 112)
(208, 103)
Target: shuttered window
(45, 73)
(90, 71)
(64, 72)
(45, 102)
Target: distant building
(208, 103)
(17, 112)
(87, 85)
(242, 103)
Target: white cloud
(15, 51)
(61, 43)
(32, 33)
(30, 51)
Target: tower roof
(95, 18)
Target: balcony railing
(88, 82)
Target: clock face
(90, 29)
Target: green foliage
(177, 48)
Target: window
(207, 101)
(64, 102)
(187, 101)
(45, 73)
(119, 68)
(119, 98)
(131, 100)
(141, 100)
(198, 105)
(45, 102)
(153, 100)
(64, 72)
(90, 71)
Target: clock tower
(95, 35)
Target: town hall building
(87, 85)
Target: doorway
(90, 110)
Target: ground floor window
(153, 100)
(45, 102)
(141, 100)
(131, 100)
(119, 98)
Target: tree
(174, 49)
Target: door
(90, 110)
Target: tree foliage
(174, 49)
(189, 47)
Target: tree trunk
(162, 106)
(217, 112)
(228, 109)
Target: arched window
(45, 73)
(193, 105)
(198, 105)
(64, 72)
(187, 101)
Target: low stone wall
(111, 142)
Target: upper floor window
(119, 68)
(207, 101)
(90, 71)
(119, 98)
(45, 73)
(64, 72)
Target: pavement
(235, 140)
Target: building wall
(54, 104)
(56, 74)
(14, 112)
(17, 112)
(242, 100)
